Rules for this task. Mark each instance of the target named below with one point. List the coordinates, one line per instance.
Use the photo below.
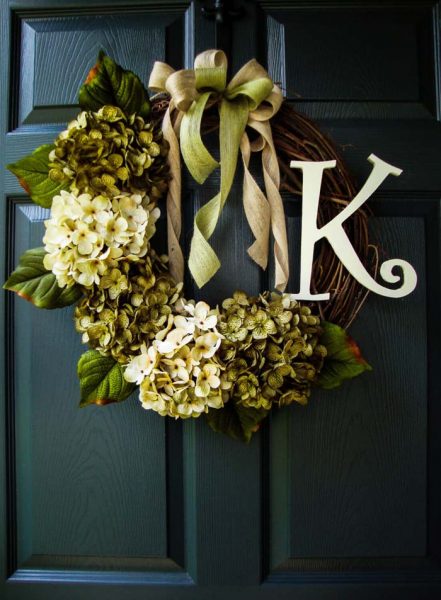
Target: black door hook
(223, 14)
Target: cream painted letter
(336, 236)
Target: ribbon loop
(250, 71)
(159, 75)
(210, 69)
(181, 85)
(250, 98)
(269, 107)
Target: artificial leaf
(102, 379)
(236, 421)
(36, 284)
(344, 359)
(108, 83)
(32, 172)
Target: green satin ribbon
(190, 91)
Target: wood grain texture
(376, 50)
(64, 49)
(411, 145)
(7, 518)
(276, 56)
(385, 66)
(357, 467)
(93, 481)
(222, 479)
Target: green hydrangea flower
(107, 151)
(270, 350)
(128, 309)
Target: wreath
(106, 179)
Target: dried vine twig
(297, 137)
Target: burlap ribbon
(250, 99)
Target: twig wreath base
(298, 138)
(104, 179)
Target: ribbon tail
(199, 161)
(174, 212)
(203, 261)
(271, 176)
(257, 209)
(278, 227)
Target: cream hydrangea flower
(114, 230)
(207, 379)
(201, 315)
(58, 237)
(88, 242)
(131, 211)
(90, 270)
(185, 354)
(141, 366)
(206, 345)
(175, 339)
(178, 333)
(59, 263)
(151, 400)
(184, 323)
(177, 368)
(83, 228)
(66, 206)
(186, 379)
(94, 209)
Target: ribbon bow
(250, 99)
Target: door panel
(87, 490)
(361, 470)
(337, 499)
(355, 480)
(372, 61)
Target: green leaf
(108, 83)
(32, 173)
(36, 284)
(102, 380)
(344, 359)
(236, 421)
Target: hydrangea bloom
(186, 380)
(142, 365)
(86, 236)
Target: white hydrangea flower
(207, 379)
(90, 270)
(88, 242)
(201, 315)
(186, 380)
(141, 366)
(84, 229)
(177, 369)
(206, 345)
(94, 209)
(176, 338)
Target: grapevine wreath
(107, 177)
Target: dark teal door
(341, 499)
